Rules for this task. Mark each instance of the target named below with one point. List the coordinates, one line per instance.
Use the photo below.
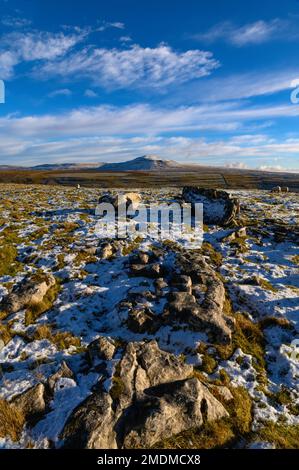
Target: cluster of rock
(34, 402)
(280, 189)
(154, 396)
(219, 208)
(194, 292)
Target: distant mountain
(65, 166)
(145, 163)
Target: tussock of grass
(61, 339)
(5, 333)
(282, 436)
(273, 321)
(247, 336)
(215, 257)
(11, 421)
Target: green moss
(117, 384)
(240, 244)
(266, 285)
(208, 364)
(249, 337)
(9, 266)
(215, 257)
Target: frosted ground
(49, 229)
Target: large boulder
(28, 293)
(127, 199)
(219, 208)
(170, 409)
(153, 396)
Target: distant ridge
(144, 163)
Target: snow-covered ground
(50, 226)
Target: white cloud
(108, 24)
(125, 39)
(90, 93)
(60, 92)
(251, 33)
(132, 67)
(240, 86)
(110, 133)
(15, 22)
(17, 47)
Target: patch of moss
(208, 250)
(208, 364)
(266, 285)
(240, 244)
(117, 385)
(6, 334)
(9, 266)
(249, 337)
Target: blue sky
(195, 81)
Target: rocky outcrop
(219, 208)
(204, 312)
(153, 396)
(31, 402)
(27, 293)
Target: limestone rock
(31, 402)
(103, 348)
(170, 409)
(27, 293)
(155, 398)
(63, 372)
(219, 208)
(149, 270)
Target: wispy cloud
(15, 21)
(60, 92)
(251, 33)
(133, 67)
(17, 47)
(90, 93)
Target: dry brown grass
(11, 421)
